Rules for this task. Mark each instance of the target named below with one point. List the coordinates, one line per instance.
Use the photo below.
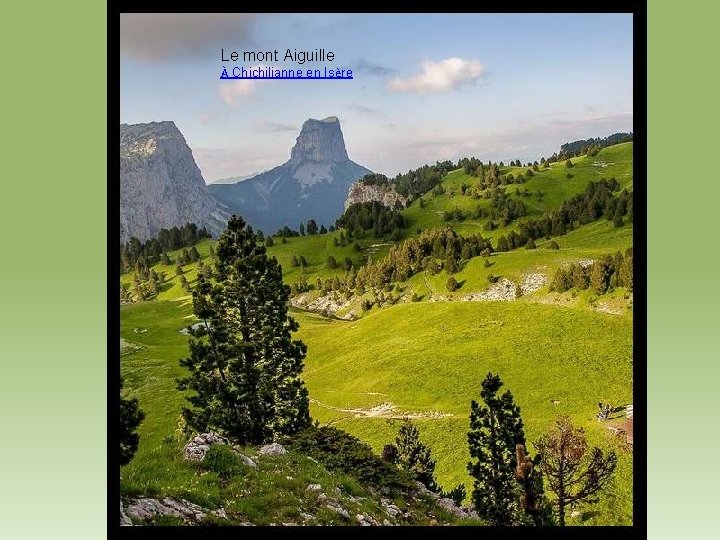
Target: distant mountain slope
(312, 184)
(160, 184)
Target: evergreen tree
(323, 230)
(311, 227)
(302, 229)
(244, 368)
(451, 284)
(572, 475)
(165, 259)
(530, 244)
(269, 241)
(495, 430)
(331, 262)
(413, 456)
(130, 417)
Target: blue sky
(426, 86)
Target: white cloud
(204, 119)
(231, 92)
(441, 76)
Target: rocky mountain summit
(361, 192)
(312, 184)
(160, 184)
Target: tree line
(372, 216)
(601, 276)
(150, 252)
(597, 201)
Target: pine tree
(495, 430)
(130, 417)
(572, 475)
(413, 456)
(244, 368)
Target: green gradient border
(53, 285)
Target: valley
(413, 347)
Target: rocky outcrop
(273, 449)
(319, 140)
(196, 449)
(360, 192)
(160, 184)
(312, 184)
(146, 509)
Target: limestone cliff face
(160, 184)
(312, 184)
(319, 140)
(382, 193)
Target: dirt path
(384, 410)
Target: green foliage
(269, 242)
(495, 430)
(553, 245)
(130, 417)
(340, 451)
(223, 460)
(244, 368)
(451, 284)
(374, 216)
(414, 457)
(530, 244)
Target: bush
(493, 278)
(530, 244)
(340, 451)
(553, 245)
(451, 284)
(223, 460)
(457, 494)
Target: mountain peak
(319, 140)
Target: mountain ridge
(312, 184)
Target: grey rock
(196, 449)
(220, 512)
(125, 521)
(146, 508)
(313, 184)
(247, 461)
(336, 507)
(273, 449)
(314, 487)
(160, 184)
(453, 509)
(390, 509)
(361, 192)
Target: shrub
(340, 451)
(451, 284)
(493, 278)
(553, 245)
(223, 460)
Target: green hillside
(559, 353)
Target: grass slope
(558, 358)
(426, 358)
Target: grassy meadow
(557, 353)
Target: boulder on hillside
(273, 449)
(196, 449)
